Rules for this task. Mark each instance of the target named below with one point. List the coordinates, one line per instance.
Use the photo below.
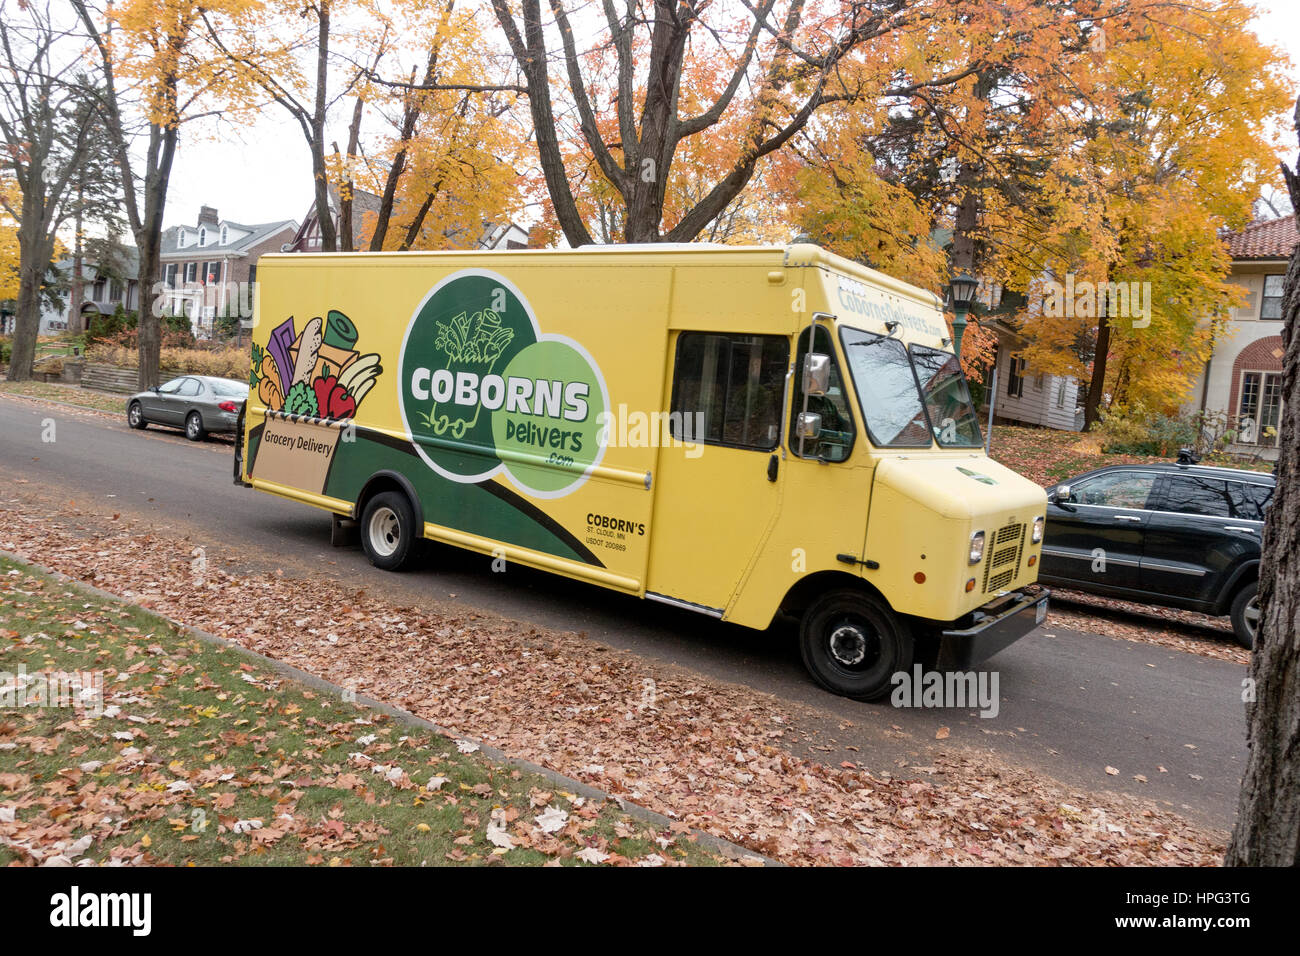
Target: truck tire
(388, 531)
(1245, 615)
(852, 644)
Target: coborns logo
(483, 390)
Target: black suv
(1178, 535)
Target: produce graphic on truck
(814, 450)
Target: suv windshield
(887, 389)
(947, 397)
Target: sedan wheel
(135, 416)
(194, 427)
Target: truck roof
(794, 255)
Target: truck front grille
(1004, 557)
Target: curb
(722, 847)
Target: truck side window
(838, 430)
(727, 389)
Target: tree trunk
(1097, 384)
(75, 323)
(328, 235)
(1267, 832)
(27, 322)
(34, 252)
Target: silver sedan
(196, 403)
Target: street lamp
(962, 290)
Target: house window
(203, 236)
(191, 272)
(1259, 414)
(180, 239)
(252, 273)
(1015, 377)
(225, 235)
(1060, 393)
(211, 272)
(169, 274)
(1271, 308)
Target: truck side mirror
(816, 373)
(808, 425)
(1062, 495)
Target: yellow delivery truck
(739, 432)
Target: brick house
(1244, 374)
(209, 267)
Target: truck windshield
(887, 389)
(947, 397)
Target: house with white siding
(1021, 398)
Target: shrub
(1134, 430)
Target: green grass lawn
(197, 753)
(71, 394)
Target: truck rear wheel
(388, 530)
(853, 643)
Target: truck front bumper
(993, 627)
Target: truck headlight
(1037, 535)
(976, 547)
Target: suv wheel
(1245, 615)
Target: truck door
(718, 482)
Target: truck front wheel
(388, 530)
(852, 644)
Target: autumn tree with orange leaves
(1104, 142)
(775, 64)
(160, 71)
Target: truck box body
(626, 416)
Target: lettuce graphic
(301, 400)
(474, 339)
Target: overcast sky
(262, 173)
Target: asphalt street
(1072, 703)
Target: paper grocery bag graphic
(296, 453)
(310, 380)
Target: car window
(1116, 489)
(1197, 495)
(1249, 501)
(230, 389)
(172, 387)
(190, 387)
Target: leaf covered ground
(1047, 456)
(708, 754)
(70, 394)
(165, 749)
